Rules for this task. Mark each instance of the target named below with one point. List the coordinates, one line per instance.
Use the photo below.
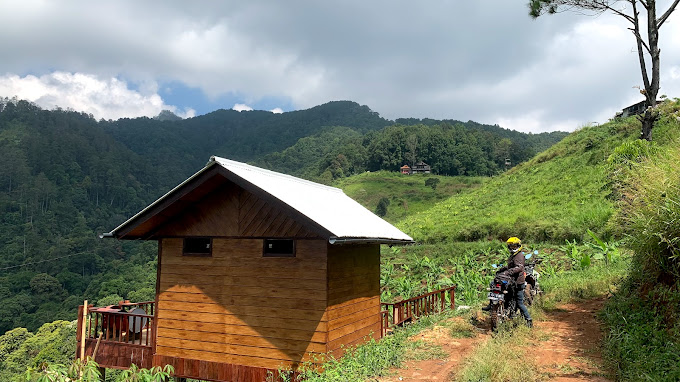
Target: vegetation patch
(502, 358)
(643, 343)
(558, 195)
(376, 358)
(404, 195)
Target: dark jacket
(515, 267)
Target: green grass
(643, 338)
(407, 194)
(376, 358)
(643, 318)
(557, 195)
(585, 284)
(502, 358)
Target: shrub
(381, 209)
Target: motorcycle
(501, 300)
(502, 303)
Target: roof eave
(333, 240)
(124, 227)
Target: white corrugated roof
(327, 206)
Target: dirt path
(438, 369)
(572, 351)
(568, 350)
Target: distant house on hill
(406, 170)
(421, 168)
(257, 271)
(634, 109)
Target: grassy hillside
(644, 315)
(407, 194)
(556, 196)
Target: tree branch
(604, 5)
(641, 53)
(668, 12)
(639, 38)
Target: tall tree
(647, 47)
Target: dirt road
(568, 349)
(572, 351)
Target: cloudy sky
(485, 61)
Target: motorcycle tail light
(498, 285)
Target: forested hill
(536, 142)
(66, 177)
(327, 142)
(243, 136)
(63, 180)
(450, 147)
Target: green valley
(600, 206)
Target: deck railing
(130, 323)
(408, 310)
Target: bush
(432, 182)
(381, 209)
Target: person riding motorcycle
(514, 269)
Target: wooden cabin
(257, 271)
(421, 168)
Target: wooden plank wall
(239, 308)
(353, 295)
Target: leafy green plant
(155, 374)
(88, 371)
(78, 371)
(607, 251)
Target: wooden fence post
(82, 331)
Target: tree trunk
(647, 119)
(651, 87)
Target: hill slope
(558, 195)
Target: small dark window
(279, 248)
(197, 246)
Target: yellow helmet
(514, 240)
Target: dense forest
(67, 177)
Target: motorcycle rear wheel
(496, 316)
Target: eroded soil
(572, 350)
(568, 349)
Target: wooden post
(82, 331)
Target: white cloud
(536, 122)
(107, 98)
(242, 107)
(675, 72)
(570, 67)
(277, 110)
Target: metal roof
(329, 207)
